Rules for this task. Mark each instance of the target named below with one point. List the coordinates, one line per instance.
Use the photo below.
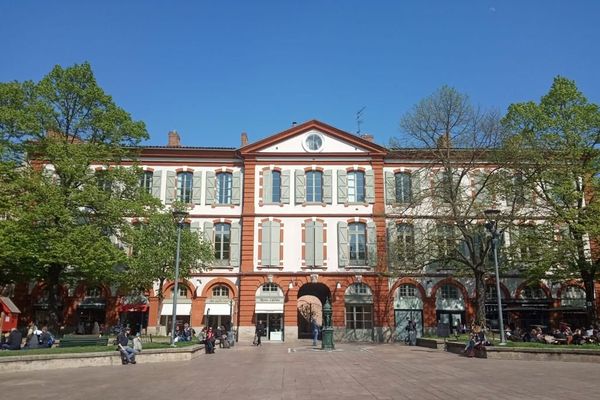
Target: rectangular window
(359, 316)
(222, 242)
(104, 181)
(406, 242)
(314, 187)
(224, 184)
(446, 240)
(276, 186)
(146, 181)
(403, 187)
(184, 186)
(357, 240)
(356, 187)
(407, 291)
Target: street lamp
(179, 217)
(492, 226)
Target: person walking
(209, 342)
(411, 328)
(314, 327)
(259, 332)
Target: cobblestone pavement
(297, 371)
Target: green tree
(554, 145)
(153, 245)
(461, 176)
(64, 218)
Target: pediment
(313, 137)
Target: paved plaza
(296, 371)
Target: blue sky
(214, 69)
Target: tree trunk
(480, 298)
(590, 301)
(161, 297)
(55, 317)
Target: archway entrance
(311, 298)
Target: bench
(83, 340)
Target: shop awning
(182, 309)
(133, 308)
(269, 308)
(217, 309)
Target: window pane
(314, 189)
(146, 181)
(276, 189)
(222, 241)
(403, 187)
(184, 186)
(358, 243)
(356, 187)
(406, 241)
(224, 182)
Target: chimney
(244, 138)
(174, 140)
(368, 137)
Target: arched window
(220, 291)
(407, 291)
(356, 187)
(182, 289)
(357, 241)
(359, 307)
(403, 187)
(314, 187)
(222, 242)
(573, 296)
(184, 186)
(533, 293)
(224, 187)
(93, 291)
(449, 292)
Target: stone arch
(505, 291)
(207, 290)
(183, 282)
(526, 284)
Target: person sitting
(127, 353)
(476, 341)
(14, 340)
(188, 332)
(577, 337)
(46, 338)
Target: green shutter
(327, 178)
(208, 232)
(197, 187)
(275, 229)
(267, 186)
(236, 188)
(285, 187)
(342, 244)
(371, 244)
(390, 188)
(309, 244)
(300, 183)
(235, 244)
(342, 186)
(171, 187)
(209, 197)
(156, 183)
(318, 237)
(370, 186)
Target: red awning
(133, 308)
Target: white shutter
(342, 186)
(267, 186)
(209, 197)
(300, 183)
(371, 244)
(318, 240)
(195, 226)
(327, 178)
(275, 242)
(171, 187)
(390, 188)
(370, 186)
(236, 188)
(235, 244)
(285, 187)
(342, 244)
(208, 232)
(309, 244)
(415, 185)
(197, 187)
(156, 183)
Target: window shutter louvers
(371, 244)
(235, 244)
(236, 188)
(267, 186)
(156, 183)
(390, 188)
(171, 187)
(370, 186)
(342, 186)
(415, 183)
(300, 183)
(208, 232)
(197, 188)
(342, 244)
(318, 238)
(195, 226)
(209, 196)
(285, 187)
(327, 190)
(309, 246)
(275, 229)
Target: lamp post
(492, 227)
(179, 217)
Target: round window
(313, 142)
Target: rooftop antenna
(358, 120)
